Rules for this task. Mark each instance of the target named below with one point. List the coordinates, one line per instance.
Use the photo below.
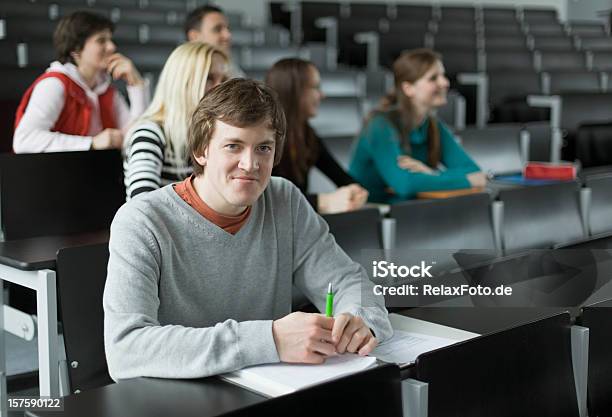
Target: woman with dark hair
(73, 106)
(403, 148)
(296, 82)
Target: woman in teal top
(404, 149)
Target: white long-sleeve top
(34, 133)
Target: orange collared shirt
(231, 224)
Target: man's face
(237, 167)
(214, 30)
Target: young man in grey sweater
(200, 273)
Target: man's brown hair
(240, 103)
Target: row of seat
(423, 12)
(311, 11)
(161, 5)
(30, 29)
(55, 11)
(519, 219)
(500, 46)
(346, 99)
(459, 56)
(151, 57)
(533, 217)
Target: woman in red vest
(73, 106)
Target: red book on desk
(550, 171)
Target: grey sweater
(185, 299)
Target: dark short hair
(237, 102)
(73, 30)
(194, 18)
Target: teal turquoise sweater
(374, 162)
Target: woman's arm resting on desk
(380, 141)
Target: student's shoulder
(281, 188)
(49, 87)
(145, 208)
(445, 131)
(146, 129)
(379, 123)
(380, 119)
(285, 200)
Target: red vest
(76, 113)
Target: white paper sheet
(404, 347)
(282, 378)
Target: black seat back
(496, 148)
(439, 228)
(579, 108)
(540, 216)
(598, 318)
(594, 144)
(356, 231)
(600, 215)
(59, 193)
(526, 370)
(81, 273)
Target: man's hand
(303, 337)
(350, 334)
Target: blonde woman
(155, 152)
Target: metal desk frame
(43, 282)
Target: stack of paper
(283, 378)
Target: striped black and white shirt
(145, 166)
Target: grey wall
(596, 10)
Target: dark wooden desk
(31, 263)
(40, 252)
(148, 397)
(151, 397)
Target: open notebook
(412, 337)
(278, 379)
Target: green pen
(329, 306)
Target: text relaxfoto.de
(384, 269)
